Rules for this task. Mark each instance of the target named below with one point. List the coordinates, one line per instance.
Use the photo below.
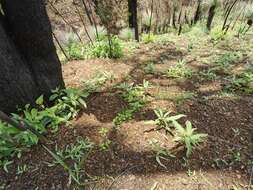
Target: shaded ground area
(222, 162)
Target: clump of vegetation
(217, 35)
(69, 101)
(209, 74)
(75, 50)
(177, 98)
(66, 104)
(187, 137)
(135, 96)
(242, 82)
(164, 120)
(106, 142)
(161, 153)
(148, 38)
(226, 60)
(94, 84)
(105, 47)
(180, 70)
(76, 154)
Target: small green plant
(161, 153)
(217, 35)
(226, 60)
(69, 101)
(187, 137)
(242, 82)
(177, 98)
(94, 84)
(180, 70)
(106, 142)
(164, 120)
(148, 38)
(22, 169)
(190, 47)
(149, 68)
(76, 153)
(75, 50)
(135, 96)
(104, 47)
(4, 164)
(209, 74)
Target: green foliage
(209, 74)
(104, 47)
(135, 96)
(164, 119)
(161, 153)
(188, 137)
(225, 60)
(94, 84)
(177, 98)
(22, 169)
(179, 71)
(106, 142)
(217, 35)
(4, 164)
(149, 68)
(242, 82)
(76, 154)
(74, 50)
(68, 102)
(148, 38)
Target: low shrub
(105, 47)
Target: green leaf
(40, 100)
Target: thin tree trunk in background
(93, 18)
(174, 18)
(211, 14)
(133, 18)
(83, 22)
(197, 13)
(151, 16)
(55, 10)
(224, 27)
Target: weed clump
(103, 47)
(179, 71)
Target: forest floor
(222, 162)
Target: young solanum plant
(188, 137)
(165, 120)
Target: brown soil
(130, 162)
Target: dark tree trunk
(197, 13)
(28, 59)
(133, 19)
(211, 14)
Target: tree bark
(28, 59)
(211, 14)
(133, 19)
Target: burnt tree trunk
(133, 18)
(211, 14)
(29, 65)
(197, 15)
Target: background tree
(133, 17)
(29, 65)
